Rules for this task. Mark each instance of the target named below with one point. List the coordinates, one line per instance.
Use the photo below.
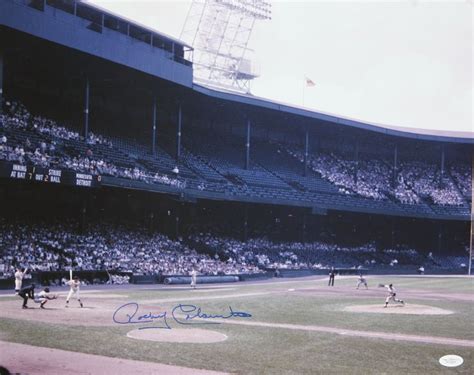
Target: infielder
(19, 275)
(391, 295)
(361, 281)
(74, 284)
(193, 278)
(25, 293)
(44, 296)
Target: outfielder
(19, 275)
(391, 295)
(361, 281)
(74, 284)
(44, 296)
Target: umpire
(332, 274)
(27, 292)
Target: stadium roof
(414, 133)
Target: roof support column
(303, 228)
(246, 224)
(1, 81)
(441, 176)
(86, 109)
(178, 134)
(83, 220)
(176, 222)
(440, 238)
(393, 234)
(153, 124)
(395, 166)
(356, 158)
(306, 153)
(247, 145)
(471, 238)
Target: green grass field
(279, 342)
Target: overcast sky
(405, 63)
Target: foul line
(368, 334)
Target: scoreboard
(48, 175)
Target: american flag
(309, 82)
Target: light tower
(219, 31)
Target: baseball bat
(70, 274)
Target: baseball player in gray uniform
(361, 281)
(391, 295)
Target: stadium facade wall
(71, 31)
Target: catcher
(391, 294)
(44, 296)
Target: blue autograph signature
(128, 314)
(181, 314)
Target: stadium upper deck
(89, 28)
(92, 70)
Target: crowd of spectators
(425, 180)
(118, 279)
(373, 179)
(46, 143)
(314, 255)
(46, 247)
(404, 193)
(48, 153)
(119, 249)
(39, 154)
(42, 155)
(463, 177)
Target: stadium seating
(58, 246)
(275, 171)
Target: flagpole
(304, 84)
(469, 269)
(308, 82)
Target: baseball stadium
(158, 218)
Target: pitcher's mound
(191, 336)
(399, 309)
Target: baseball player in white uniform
(19, 275)
(361, 281)
(391, 295)
(75, 285)
(44, 296)
(193, 278)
